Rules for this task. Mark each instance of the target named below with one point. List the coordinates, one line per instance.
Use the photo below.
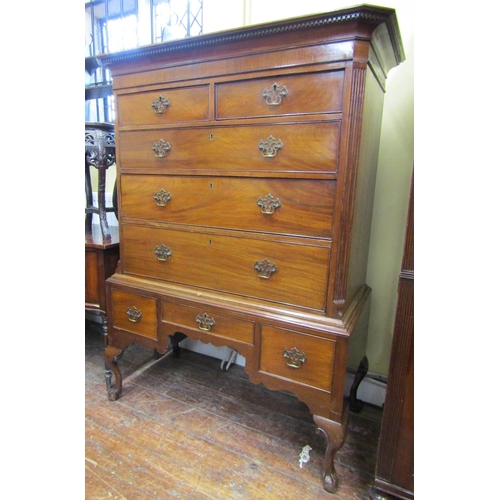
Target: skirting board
(370, 390)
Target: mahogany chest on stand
(246, 164)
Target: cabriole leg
(111, 355)
(355, 404)
(335, 433)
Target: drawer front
(281, 95)
(306, 147)
(163, 106)
(286, 206)
(296, 356)
(207, 321)
(135, 313)
(271, 270)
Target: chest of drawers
(246, 168)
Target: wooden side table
(101, 259)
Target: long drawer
(302, 358)
(278, 271)
(202, 318)
(281, 95)
(305, 147)
(161, 107)
(286, 206)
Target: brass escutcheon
(163, 253)
(161, 148)
(205, 322)
(295, 357)
(160, 105)
(265, 269)
(134, 314)
(270, 146)
(268, 204)
(162, 197)
(274, 95)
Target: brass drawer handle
(270, 147)
(274, 95)
(134, 314)
(163, 253)
(265, 269)
(160, 105)
(268, 204)
(205, 322)
(162, 197)
(161, 148)
(295, 357)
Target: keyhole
(211, 186)
(211, 137)
(209, 242)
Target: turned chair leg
(104, 328)
(111, 355)
(335, 434)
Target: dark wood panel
(395, 462)
(91, 277)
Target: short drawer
(135, 313)
(283, 272)
(306, 147)
(163, 106)
(201, 318)
(281, 95)
(285, 206)
(296, 356)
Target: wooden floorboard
(183, 428)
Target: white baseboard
(210, 350)
(370, 390)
